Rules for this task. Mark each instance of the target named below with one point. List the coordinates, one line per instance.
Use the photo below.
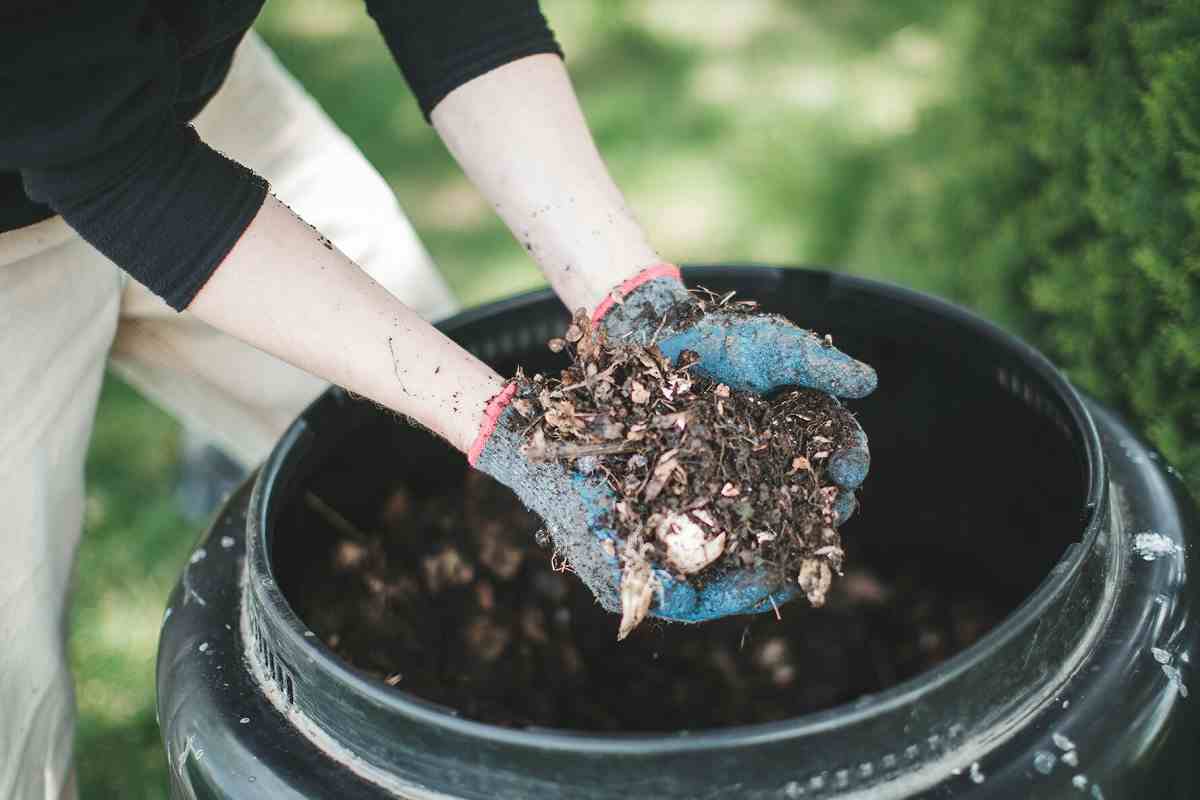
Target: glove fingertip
(845, 506)
(848, 468)
(854, 380)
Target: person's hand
(577, 510)
(755, 352)
(749, 351)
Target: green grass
(747, 131)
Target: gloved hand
(576, 510)
(574, 507)
(747, 351)
(754, 352)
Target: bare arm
(519, 134)
(284, 289)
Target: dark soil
(448, 598)
(708, 479)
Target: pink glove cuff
(491, 416)
(663, 270)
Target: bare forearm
(520, 136)
(286, 290)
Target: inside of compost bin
(431, 578)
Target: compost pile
(707, 479)
(440, 590)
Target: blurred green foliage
(1060, 194)
(1035, 161)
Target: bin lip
(422, 712)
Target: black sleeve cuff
(169, 218)
(440, 46)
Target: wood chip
(662, 473)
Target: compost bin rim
(266, 594)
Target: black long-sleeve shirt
(96, 99)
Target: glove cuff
(659, 286)
(491, 417)
(626, 287)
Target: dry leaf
(729, 490)
(638, 585)
(801, 463)
(574, 333)
(523, 406)
(662, 473)
(611, 429)
(639, 393)
(815, 579)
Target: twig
(330, 515)
(661, 323)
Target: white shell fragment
(638, 585)
(815, 579)
(689, 548)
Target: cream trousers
(65, 311)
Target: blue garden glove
(754, 352)
(577, 510)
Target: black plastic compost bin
(1081, 690)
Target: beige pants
(64, 308)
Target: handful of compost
(667, 482)
(705, 478)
